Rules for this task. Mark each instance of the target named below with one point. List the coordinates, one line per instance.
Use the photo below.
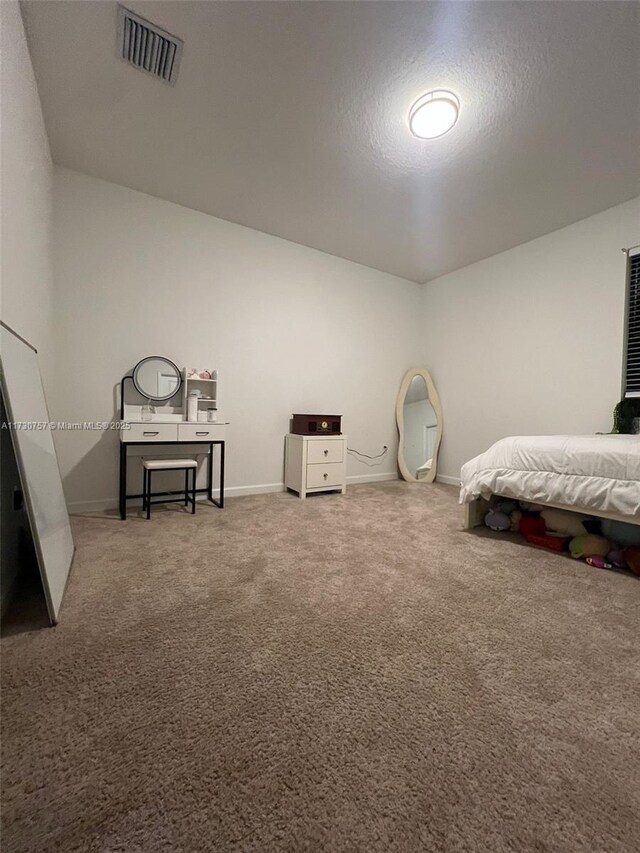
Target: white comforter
(597, 472)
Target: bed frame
(475, 511)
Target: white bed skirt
(597, 472)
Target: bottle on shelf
(192, 407)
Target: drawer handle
(326, 453)
(325, 476)
(202, 433)
(151, 433)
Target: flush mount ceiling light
(434, 114)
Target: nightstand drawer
(151, 432)
(325, 451)
(331, 474)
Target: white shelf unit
(207, 387)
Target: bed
(592, 474)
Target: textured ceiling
(292, 118)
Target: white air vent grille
(148, 47)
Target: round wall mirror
(157, 378)
(419, 419)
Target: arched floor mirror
(419, 419)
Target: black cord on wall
(366, 455)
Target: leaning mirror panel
(419, 418)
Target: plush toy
(531, 524)
(527, 506)
(497, 520)
(624, 415)
(599, 562)
(632, 558)
(194, 373)
(505, 506)
(549, 541)
(588, 545)
(515, 517)
(622, 532)
(616, 557)
(562, 521)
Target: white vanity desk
(168, 428)
(163, 431)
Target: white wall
(290, 329)
(26, 278)
(26, 211)
(530, 341)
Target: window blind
(632, 336)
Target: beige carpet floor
(346, 673)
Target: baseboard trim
(371, 478)
(101, 505)
(104, 504)
(447, 480)
(259, 489)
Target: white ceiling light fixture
(434, 114)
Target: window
(632, 328)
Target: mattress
(591, 472)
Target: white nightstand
(315, 463)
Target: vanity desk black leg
(219, 503)
(123, 480)
(222, 475)
(210, 474)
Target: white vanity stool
(186, 465)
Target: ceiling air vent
(148, 47)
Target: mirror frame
(142, 361)
(434, 399)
